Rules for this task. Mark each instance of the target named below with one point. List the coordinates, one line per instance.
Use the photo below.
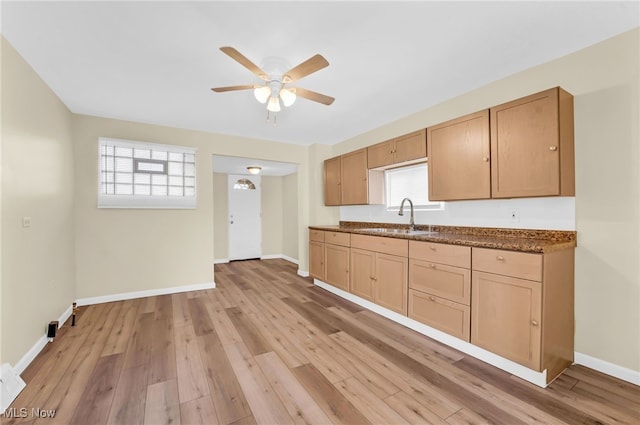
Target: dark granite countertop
(523, 240)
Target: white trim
(303, 273)
(124, 143)
(147, 202)
(279, 256)
(537, 378)
(28, 357)
(147, 293)
(629, 375)
(220, 260)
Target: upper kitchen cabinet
(355, 187)
(412, 146)
(332, 180)
(532, 152)
(347, 181)
(459, 158)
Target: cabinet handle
(338, 183)
(500, 258)
(432, 266)
(431, 298)
(534, 323)
(432, 248)
(553, 148)
(485, 159)
(374, 278)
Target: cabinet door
(411, 146)
(505, 317)
(316, 259)
(354, 178)
(336, 259)
(452, 283)
(362, 273)
(459, 158)
(380, 154)
(390, 284)
(332, 172)
(439, 313)
(525, 147)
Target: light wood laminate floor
(267, 346)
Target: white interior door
(245, 222)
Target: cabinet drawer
(337, 238)
(452, 283)
(381, 244)
(444, 315)
(316, 235)
(453, 255)
(508, 263)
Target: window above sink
(409, 182)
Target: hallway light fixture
(254, 169)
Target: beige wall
(220, 216)
(38, 282)
(126, 250)
(604, 80)
(272, 208)
(290, 216)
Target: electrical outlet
(26, 221)
(515, 215)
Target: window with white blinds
(409, 182)
(146, 175)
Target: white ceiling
(236, 165)
(155, 62)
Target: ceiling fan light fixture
(254, 169)
(273, 105)
(262, 93)
(288, 96)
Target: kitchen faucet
(412, 224)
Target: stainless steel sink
(400, 231)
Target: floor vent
(11, 384)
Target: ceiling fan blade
(316, 97)
(307, 67)
(242, 60)
(232, 88)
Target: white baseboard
(537, 378)
(39, 345)
(279, 256)
(629, 375)
(142, 294)
(303, 273)
(220, 261)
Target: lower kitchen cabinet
(336, 259)
(440, 313)
(517, 305)
(522, 307)
(507, 313)
(362, 273)
(316, 254)
(379, 272)
(390, 283)
(440, 287)
(316, 259)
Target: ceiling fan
(275, 87)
